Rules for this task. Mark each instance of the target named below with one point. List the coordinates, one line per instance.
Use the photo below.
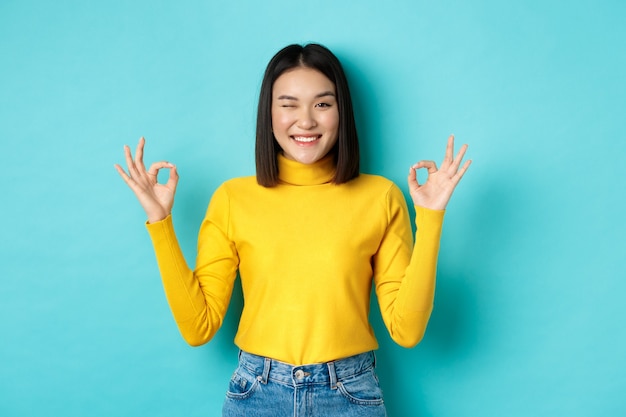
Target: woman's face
(305, 117)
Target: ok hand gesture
(156, 199)
(435, 193)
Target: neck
(296, 173)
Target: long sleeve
(404, 272)
(306, 251)
(198, 299)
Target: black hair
(346, 150)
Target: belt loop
(266, 370)
(333, 375)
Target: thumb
(157, 166)
(412, 179)
(172, 181)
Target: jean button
(299, 374)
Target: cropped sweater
(308, 252)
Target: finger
(127, 179)
(412, 179)
(172, 181)
(457, 177)
(459, 158)
(157, 166)
(431, 166)
(139, 154)
(447, 159)
(122, 173)
(132, 169)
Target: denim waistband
(318, 373)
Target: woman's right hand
(156, 199)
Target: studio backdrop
(529, 310)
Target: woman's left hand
(435, 193)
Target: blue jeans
(264, 387)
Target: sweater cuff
(427, 218)
(160, 228)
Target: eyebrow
(320, 95)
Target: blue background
(529, 315)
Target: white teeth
(305, 138)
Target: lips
(305, 139)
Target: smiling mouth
(305, 139)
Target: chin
(308, 160)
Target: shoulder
(235, 185)
(228, 195)
(377, 184)
(376, 191)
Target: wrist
(157, 217)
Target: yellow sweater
(307, 251)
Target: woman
(309, 236)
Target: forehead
(302, 81)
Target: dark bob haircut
(346, 150)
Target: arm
(406, 296)
(198, 299)
(404, 272)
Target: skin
(436, 191)
(156, 199)
(303, 106)
(305, 118)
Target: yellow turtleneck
(307, 251)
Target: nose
(306, 119)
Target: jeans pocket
(362, 389)
(242, 384)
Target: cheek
(331, 120)
(281, 120)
